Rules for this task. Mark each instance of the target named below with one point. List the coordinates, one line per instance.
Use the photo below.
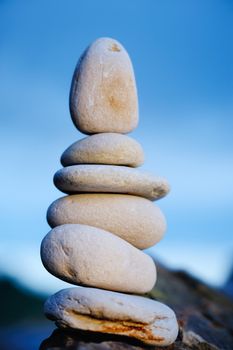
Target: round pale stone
(87, 255)
(103, 96)
(110, 312)
(110, 178)
(135, 219)
(105, 148)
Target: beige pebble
(110, 312)
(103, 96)
(87, 255)
(105, 148)
(133, 218)
(110, 179)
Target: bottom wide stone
(115, 313)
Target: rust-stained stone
(205, 317)
(103, 311)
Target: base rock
(110, 312)
(205, 317)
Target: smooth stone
(105, 148)
(103, 96)
(110, 312)
(135, 219)
(87, 255)
(110, 179)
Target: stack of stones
(100, 228)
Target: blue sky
(182, 52)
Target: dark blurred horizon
(182, 54)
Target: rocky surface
(205, 318)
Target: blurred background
(182, 52)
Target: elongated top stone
(103, 96)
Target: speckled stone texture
(110, 179)
(86, 255)
(135, 219)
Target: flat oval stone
(135, 219)
(110, 312)
(105, 148)
(86, 255)
(110, 178)
(103, 96)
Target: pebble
(103, 96)
(133, 218)
(87, 255)
(105, 148)
(110, 179)
(110, 312)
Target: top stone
(103, 95)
